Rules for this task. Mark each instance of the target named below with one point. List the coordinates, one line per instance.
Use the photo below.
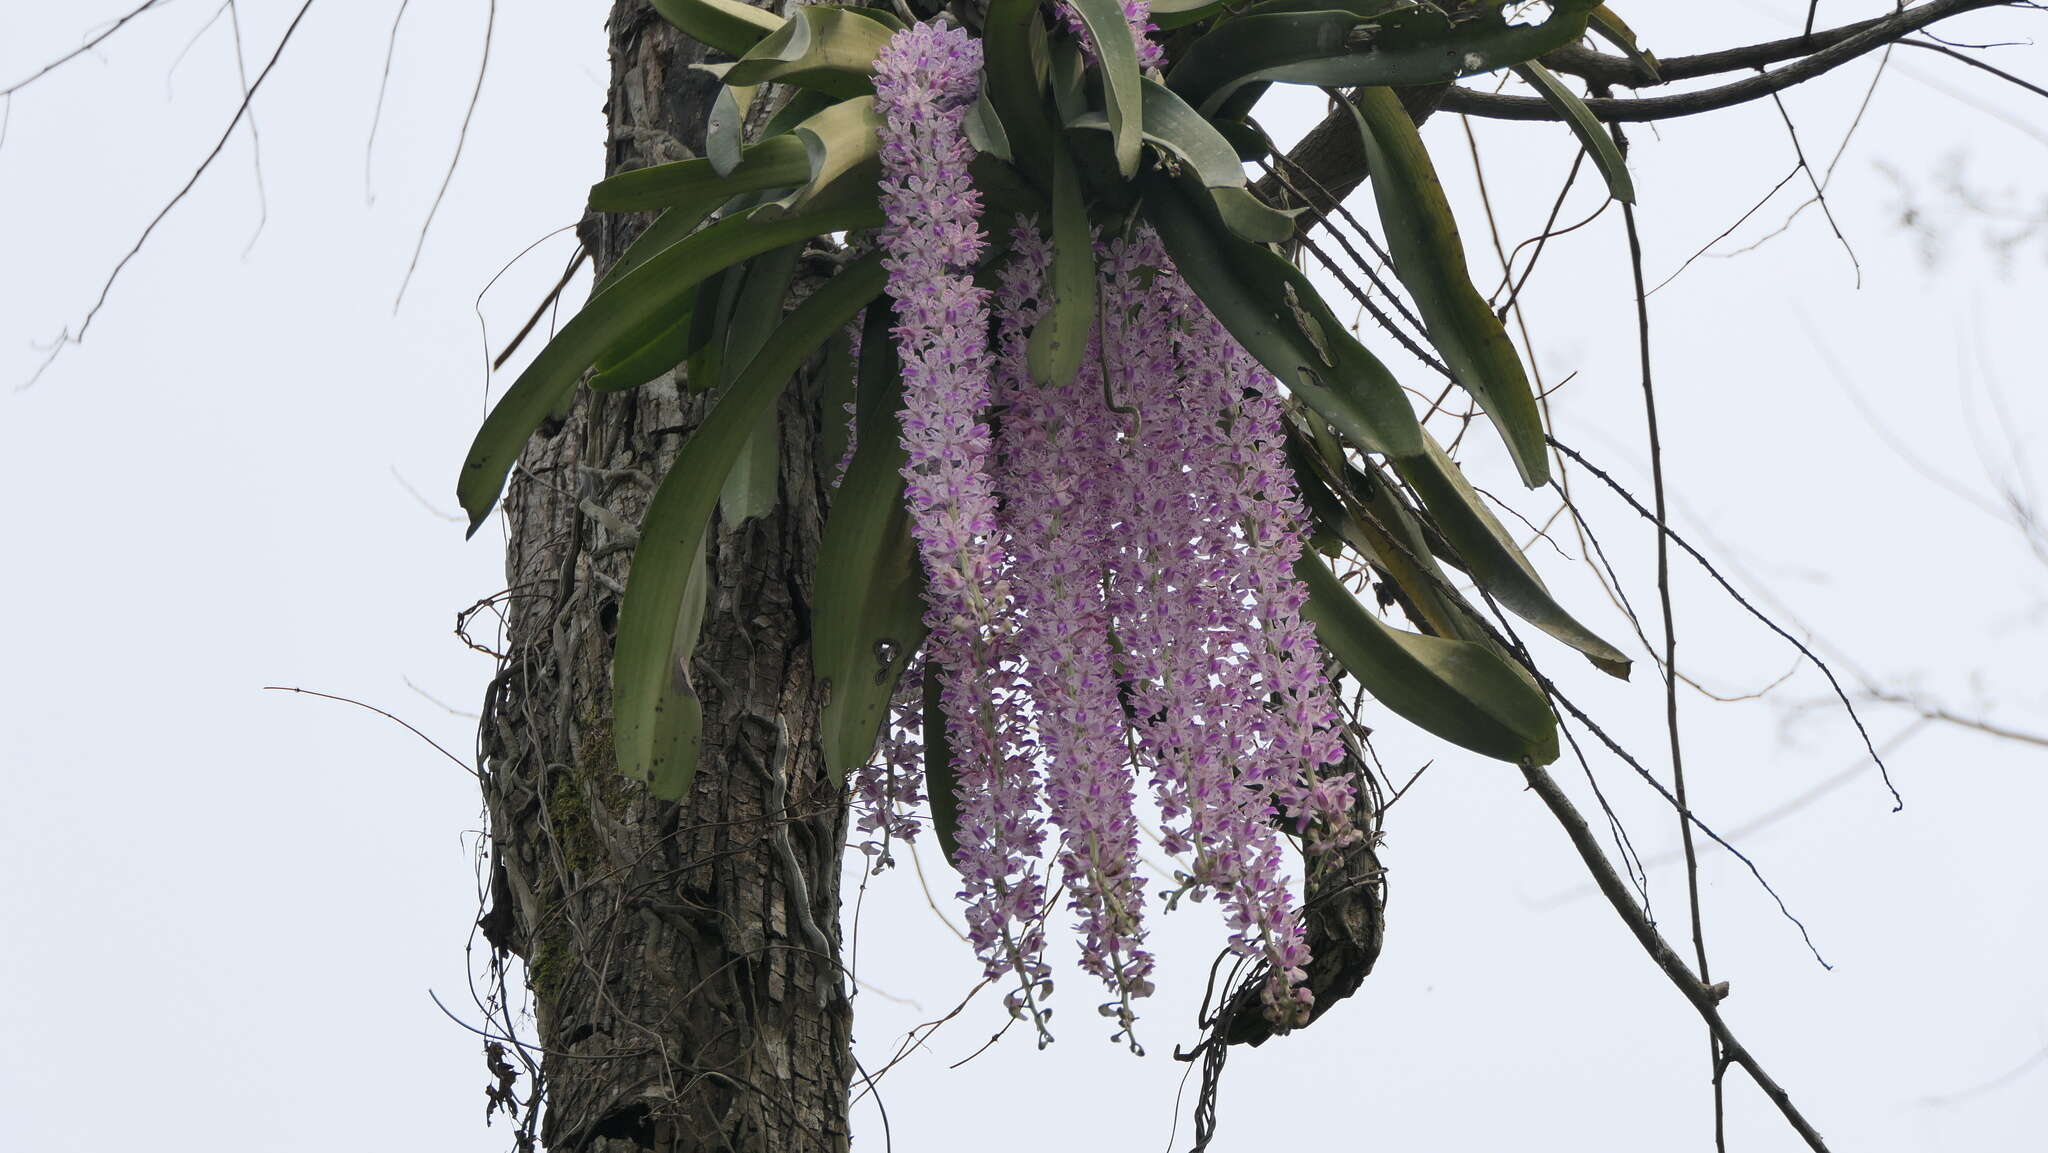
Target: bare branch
(81, 50)
(1870, 37)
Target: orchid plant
(1109, 448)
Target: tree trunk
(681, 997)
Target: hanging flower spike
(926, 79)
(888, 789)
(1302, 725)
(1181, 614)
(1053, 451)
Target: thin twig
(68, 337)
(81, 50)
(1898, 802)
(461, 139)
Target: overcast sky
(225, 908)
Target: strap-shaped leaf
(1430, 260)
(867, 615)
(1364, 512)
(831, 50)
(1273, 311)
(1365, 43)
(1170, 14)
(1116, 53)
(1207, 157)
(652, 695)
(754, 485)
(940, 785)
(1488, 554)
(1061, 337)
(837, 387)
(1613, 29)
(777, 162)
(842, 144)
(648, 361)
(1593, 136)
(1464, 692)
(725, 127)
(661, 288)
(727, 25)
(1015, 87)
(1277, 315)
(668, 229)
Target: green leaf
(1461, 691)
(939, 783)
(1363, 511)
(1611, 28)
(754, 485)
(1365, 43)
(836, 390)
(777, 162)
(725, 128)
(1430, 260)
(668, 229)
(659, 289)
(985, 129)
(650, 360)
(1273, 311)
(1170, 14)
(1061, 337)
(831, 50)
(1488, 554)
(1116, 52)
(1206, 156)
(727, 25)
(841, 144)
(1253, 219)
(652, 696)
(867, 614)
(1277, 315)
(1593, 136)
(1015, 88)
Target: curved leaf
(661, 287)
(1061, 337)
(829, 49)
(725, 126)
(653, 700)
(1593, 136)
(648, 361)
(1461, 691)
(727, 25)
(1273, 311)
(1116, 52)
(1276, 314)
(1430, 260)
(777, 162)
(1014, 86)
(754, 485)
(838, 141)
(939, 783)
(1611, 28)
(1488, 554)
(867, 615)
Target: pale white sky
(224, 909)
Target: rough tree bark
(681, 1002)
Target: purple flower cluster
(1059, 540)
(926, 79)
(1109, 581)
